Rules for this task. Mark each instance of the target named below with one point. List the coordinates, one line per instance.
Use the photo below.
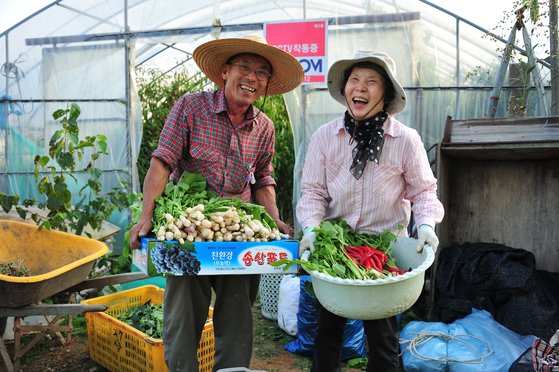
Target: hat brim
(336, 79)
(287, 71)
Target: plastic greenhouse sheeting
(89, 52)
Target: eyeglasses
(261, 74)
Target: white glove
(426, 235)
(307, 242)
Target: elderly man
(230, 142)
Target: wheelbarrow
(58, 262)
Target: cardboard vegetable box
(168, 257)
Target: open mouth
(248, 89)
(360, 101)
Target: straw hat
(336, 77)
(287, 71)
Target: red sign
(305, 40)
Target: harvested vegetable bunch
(371, 258)
(342, 252)
(147, 318)
(187, 212)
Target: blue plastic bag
(307, 317)
(474, 343)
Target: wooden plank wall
(468, 132)
(511, 202)
(509, 130)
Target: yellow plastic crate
(120, 347)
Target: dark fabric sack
(535, 312)
(479, 275)
(501, 280)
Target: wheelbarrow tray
(57, 261)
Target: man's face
(246, 78)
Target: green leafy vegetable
(330, 256)
(187, 212)
(147, 318)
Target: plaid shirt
(545, 357)
(198, 136)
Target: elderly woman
(371, 170)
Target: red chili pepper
(374, 263)
(361, 253)
(367, 257)
(384, 258)
(378, 268)
(396, 270)
(351, 257)
(378, 262)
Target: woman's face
(364, 92)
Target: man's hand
(426, 235)
(154, 184)
(266, 196)
(307, 242)
(141, 229)
(284, 228)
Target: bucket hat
(287, 71)
(337, 70)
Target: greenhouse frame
(90, 51)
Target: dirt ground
(268, 355)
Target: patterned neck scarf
(369, 138)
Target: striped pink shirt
(381, 199)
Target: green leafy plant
(522, 98)
(158, 93)
(147, 318)
(14, 268)
(55, 171)
(284, 155)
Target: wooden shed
(499, 182)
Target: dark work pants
(381, 339)
(187, 299)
